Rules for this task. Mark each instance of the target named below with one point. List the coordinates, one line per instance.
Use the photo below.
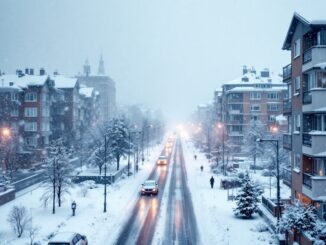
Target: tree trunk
(59, 195)
(54, 180)
(118, 162)
(100, 169)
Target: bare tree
(32, 233)
(19, 219)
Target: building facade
(106, 87)
(252, 96)
(305, 108)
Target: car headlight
(142, 189)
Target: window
(30, 126)
(289, 93)
(297, 162)
(45, 126)
(319, 122)
(311, 81)
(255, 95)
(321, 37)
(31, 141)
(272, 95)
(271, 118)
(321, 79)
(45, 112)
(297, 123)
(14, 112)
(14, 96)
(254, 117)
(319, 167)
(272, 107)
(31, 97)
(31, 112)
(296, 85)
(255, 107)
(296, 48)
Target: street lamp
(105, 180)
(278, 195)
(5, 132)
(220, 126)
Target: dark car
(149, 187)
(68, 238)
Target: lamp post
(278, 195)
(5, 134)
(73, 207)
(105, 152)
(129, 153)
(223, 146)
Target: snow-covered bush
(247, 199)
(299, 218)
(19, 219)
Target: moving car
(149, 187)
(68, 238)
(162, 160)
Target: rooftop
(64, 81)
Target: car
(149, 187)
(68, 238)
(162, 160)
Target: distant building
(305, 108)
(106, 87)
(252, 96)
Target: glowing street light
(5, 132)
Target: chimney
(42, 72)
(31, 71)
(244, 70)
(19, 73)
(26, 71)
(11, 83)
(245, 79)
(264, 73)
(253, 70)
(56, 73)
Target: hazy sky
(170, 54)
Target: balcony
(287, 141)
(287, 72)
(287, 176)
(287, 106)
(313, 143)
(314, 99)
(313, 56)
(314, 186)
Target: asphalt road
(180, 227)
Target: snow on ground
(100, 228)
(215, 219)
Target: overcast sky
(170, 54)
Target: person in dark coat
(195, 156)
(212, 181)
(201, 168)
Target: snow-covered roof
(320, 65)
(24, 81)
(255, 89)
(86, 91)
(7, 84)
(252, 78)
(64, 81)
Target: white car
(68, 238)
(149, 187)
(162, 160)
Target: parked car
(149, 187)
(68, 238)
(162, 160)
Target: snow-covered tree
(299, 218)
(118, 143)
(250, 145)
(58, 171)
(97, 158)
(19, 219)
(247, 199)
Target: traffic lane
(181, 225)
(145, 212)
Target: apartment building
(252, 96)
(305, 108)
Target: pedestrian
(212, 182)
(201, 168)
(195, 156)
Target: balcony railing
(306, 98)
(307, 56)
(306, 139)
(287, 141)
(307, 180)
(287, 106)
(287, 72)
(287, 176)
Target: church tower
(87, 68)
(101, 70)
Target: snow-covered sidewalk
(100, 228)
(216, 221)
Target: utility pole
(105, 152)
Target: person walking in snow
(195, 156)
(201, 168)
(212, 182)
